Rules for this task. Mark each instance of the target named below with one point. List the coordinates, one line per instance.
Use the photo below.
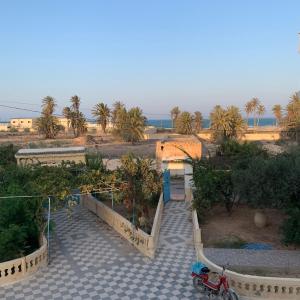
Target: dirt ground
(107, 145)
(219, 226)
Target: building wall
(169, 149)
(22, 123)
(4, 126)
(50, 159)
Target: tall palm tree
(134, 130)
(77, 119)
(249, 110)
(198, 119)
(47, 123)
(226, 123)
(102, 113)
(174, 115)
(254, 105)
(277, 111)
(117, 107)
(184, 123)
(261, 110)
(68, 115)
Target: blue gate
(166, 186)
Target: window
(21, 121)
(28, 121)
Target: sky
(152, 54)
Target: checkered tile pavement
(90, 261)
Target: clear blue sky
(155, 54)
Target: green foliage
(19, 228)
(130, 124)
(140, 187)
(102, 113)
(227, 123)
(47, 123)
(76, 118)
(7, 155)
(184, 123)
(246, 173)
(291, 227)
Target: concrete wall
(168, 149)
(20, 268)
(50, 159)
(144, 242)
(249, 136)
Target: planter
(260, 219)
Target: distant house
(4, 126)
(50, 156)
(22, 124)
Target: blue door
(166, 186)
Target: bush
(291, 227)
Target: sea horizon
(167, 123)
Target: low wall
(144, 242)
(249, 285)
(20, 268)
(250, 135)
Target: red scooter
(220, 288)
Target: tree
(102, 113)
(117, 107)
(174, 115)
(249, 110)
(252, 108)
(277, 111)
(76, 117)
(130, 124)
(184, 123)
(67, 114)
(47, 123)
(141, 186)
(226, 123)
(292, 118)
(198, 119)
(261, 110)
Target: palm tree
(198, 119)
(277, 111)
(174, 115)
(102, 113)
(117, 107)
(226, 123)
(67, 114)
(76, 117)
(248, 110)
(254, 105)
(47, 124)
(136, 122)
(261, 110)
(184, 123)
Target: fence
(144, 242)
(17, 269)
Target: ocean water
(167, 123)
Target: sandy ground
(241, 224)
(106, 145)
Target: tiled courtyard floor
(90, 261)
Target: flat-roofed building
(50, 156)
(22, 124)
(4, 126)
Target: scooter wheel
(230, 295)
(198, 284)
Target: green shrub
(291, 227)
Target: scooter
(220, 288)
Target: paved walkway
(90, 261)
